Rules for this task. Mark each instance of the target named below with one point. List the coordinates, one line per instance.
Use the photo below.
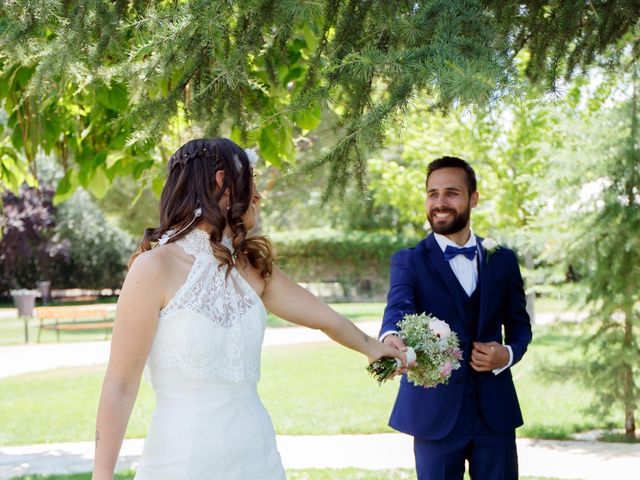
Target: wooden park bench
(73, 318)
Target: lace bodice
(214, 325)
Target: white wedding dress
(204, 365)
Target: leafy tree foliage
(508, 147)
(591, 228)
(79, 126)
(130, 208)
(97, 76)
(608, 250)
(565, 38)
(98, 251)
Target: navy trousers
(491, 455)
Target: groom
(478, 291)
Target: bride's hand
(383, 350)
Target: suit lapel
(485, 285)
(436, 258)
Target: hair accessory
(166, 236)
(252, 155)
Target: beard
(459, 221)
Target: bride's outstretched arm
(285, 298)
(134, 327)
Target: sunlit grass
(12, 329)
(308, 389)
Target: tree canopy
(109, 86)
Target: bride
(193, 309)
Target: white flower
(489, 244)
(252, 155)
(440, 328)
(411, 357)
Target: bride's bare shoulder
(161, 262)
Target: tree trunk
(531, 297)
(628, 383)
(629, 424)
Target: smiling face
(448, 203)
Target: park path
(585, 460)
(21, 359)
(542, 458)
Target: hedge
(345, 257)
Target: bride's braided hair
(191, 185)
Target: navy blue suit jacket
(421, 281)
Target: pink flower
(445, 370)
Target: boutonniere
(490, 246)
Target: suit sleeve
(517, 325)
(401, 296)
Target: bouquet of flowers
(431, 344)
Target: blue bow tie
(452, 252)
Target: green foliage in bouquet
(436, 349)
(382, 369)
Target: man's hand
(396, 342)
(486, 357)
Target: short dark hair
(454, 162)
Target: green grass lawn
(12, 329)
(554, 407)
(551, 408)
(551, 304)
(335, 386)
(302, 386)
(12, 333)
(356, 312)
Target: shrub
(29, 243)
(352, 258)
(98, 250)
(73, 245)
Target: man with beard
(455, 276)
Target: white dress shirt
(466, 271)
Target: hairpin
(251, 155)
(166, 236)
